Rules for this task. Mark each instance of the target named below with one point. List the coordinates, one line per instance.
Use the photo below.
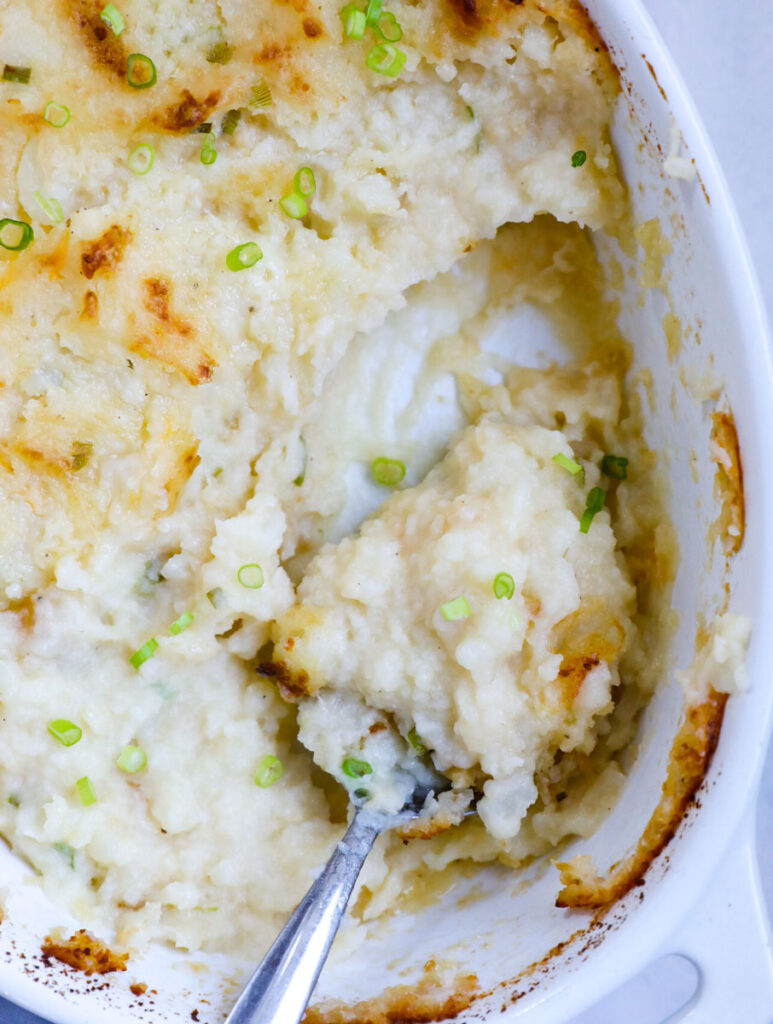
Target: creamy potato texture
(166, 420)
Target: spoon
(280, 988)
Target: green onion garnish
(182, 623)
(220, 52)
(388, 28)
(570, 466)
(51, 207)
(205, 128)
(387, 471)
(208, 152)
(294, 206)
(113, 18)
(356, 769)
(270, 770)
(231, 119)
(251, 576)
(140, 71)
(593, 504)
(13, 73)
(216, 597)
(144, 653)
(354, 22)
(68, 733)
(18, 237)
(81, 453)
(456, 609)
(504, 585)
(260, 95)
(615, 466)
(243, 256)
(417, 742)
(298, 481)
(56, 115)
(373, 11)
(579, 158)
(305, 183)
(67, 852)
(141, 159)
(386, 60)
(13, 800)
(362, 794)
(131, 759)
(86, 791)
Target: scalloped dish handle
(728, 937)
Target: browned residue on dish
(651, 70)
(730, 524)
(85, 953)
(139, 988)
(430, 999)
(689, 760)
(104, 254)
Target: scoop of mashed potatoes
(474, 615)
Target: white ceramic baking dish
(702, 897)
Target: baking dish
(498, 926)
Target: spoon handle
(280, 988)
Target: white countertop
(724, 53)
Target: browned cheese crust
(84, 953)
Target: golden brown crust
(429, 1000)
(85, 953)
(104, 254)
(689, 760)
(730, 524)
(105, 49)
(292, 685)
(170, 340)
(187, 112)
(90, 309)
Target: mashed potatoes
(173, 450)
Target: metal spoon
(280, 988)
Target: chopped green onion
(251, 576)
(23, 234)
(51, 207)
(182, 623)
(615, 466)
(386, 60)
(56, 115)
(216, 597)
(579, 158)
(86, 791)
(141, 159)
(270, 770)
(456, 609)
(298, 481)
(81, 453)
(571, 466)
(205, 128)
(14, 800)
(388, 28)
(132, 759)
(13, 73)
(356, 769)
(417, 742)
(208, 152)
(140, 71)
(362, 794)
(68, 733)
(593, 504)
(373, 11)
(504, 585)
(113, 18)
(294, 206)
(220, 52)
(230, 121)
(243, 256)
(354, 21)
(260, 95)
(67, 852)
(388, 472)
(144, 653)
(470, 111)
(305, 182)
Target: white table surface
(725, 54)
